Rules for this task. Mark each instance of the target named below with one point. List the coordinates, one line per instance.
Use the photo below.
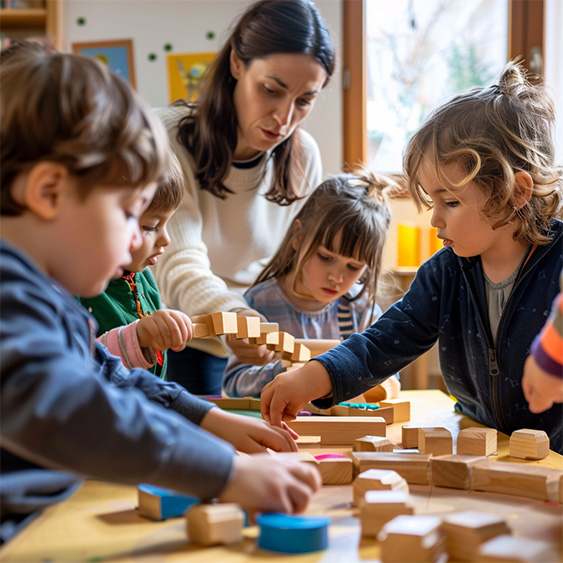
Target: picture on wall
(116, 54)
(185, 72)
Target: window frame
(526, 30)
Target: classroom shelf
(23, 19)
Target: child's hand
(250, 353)
(541, 389)
(288, 393)
(264, 483)
(165, 329)
(247, 434)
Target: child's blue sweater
(67, 404)
(447, 303)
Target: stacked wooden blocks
(377, 480)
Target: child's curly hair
(493, 133)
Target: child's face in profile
(101, 232)
(327, 275)
(458, 215)
(154, 239)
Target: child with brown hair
(131, 321)
(80, 157)
(322, 282)
(484, 163)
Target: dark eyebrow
(284, 85)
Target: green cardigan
(117, 307)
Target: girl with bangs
(322, 281)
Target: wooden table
(100, 522)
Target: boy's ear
(237, 66)
(524, 187)
(42, 190)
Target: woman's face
(272, 97)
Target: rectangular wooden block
(157, 504)
(386, 413)
(308, 442)
(435, 441)
(235, 403)
(201, 329)
(248, 327)
(336, 430)
(253, 403)
(373, 444)
(454, 471)
(477, 441)
(224, 323)
(336, 471)
(286, 343)
(409, 435)
(415, 468)
(517, 480)
(305, 457)
(268, 338)
(401, 409)
(300, 353)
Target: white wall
(184, 24)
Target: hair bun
(513, 78)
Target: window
(411, 55)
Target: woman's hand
(250, 353)
(163, 329)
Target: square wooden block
(336, 471)
(435, 441)
(529, 444)
(454, 471)
(477, 441)
(215, 524)
(378, 507)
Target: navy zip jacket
(447, 303)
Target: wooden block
(373, 444)
(517, 480)
(248, 327)
(477, 441)
(308, 442)
(284, 533)
(201, 330)
(414, 468)
(378, 507)
(377, 480)
(317, 346)
(300, 353)
(466, 531)
(401, 409)
(529, 444)
(413, 539)
(235, 403)
(286, 344)
(336, 430)
(386, 413)
(376, 394)
(513, 549)
(224, 323)
(335, 470)
(266, 328)
(158, 504)
(253, 403)
(305, 457)
(392, 387)
(268, 338)
(409, 434)
(214, 524)
(435, 441)
(454, 471)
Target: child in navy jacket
(484, 163)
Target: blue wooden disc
(292, 534)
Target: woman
(247, 167)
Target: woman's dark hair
(210, 133)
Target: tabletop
(101, 523)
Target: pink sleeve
(124, 343)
